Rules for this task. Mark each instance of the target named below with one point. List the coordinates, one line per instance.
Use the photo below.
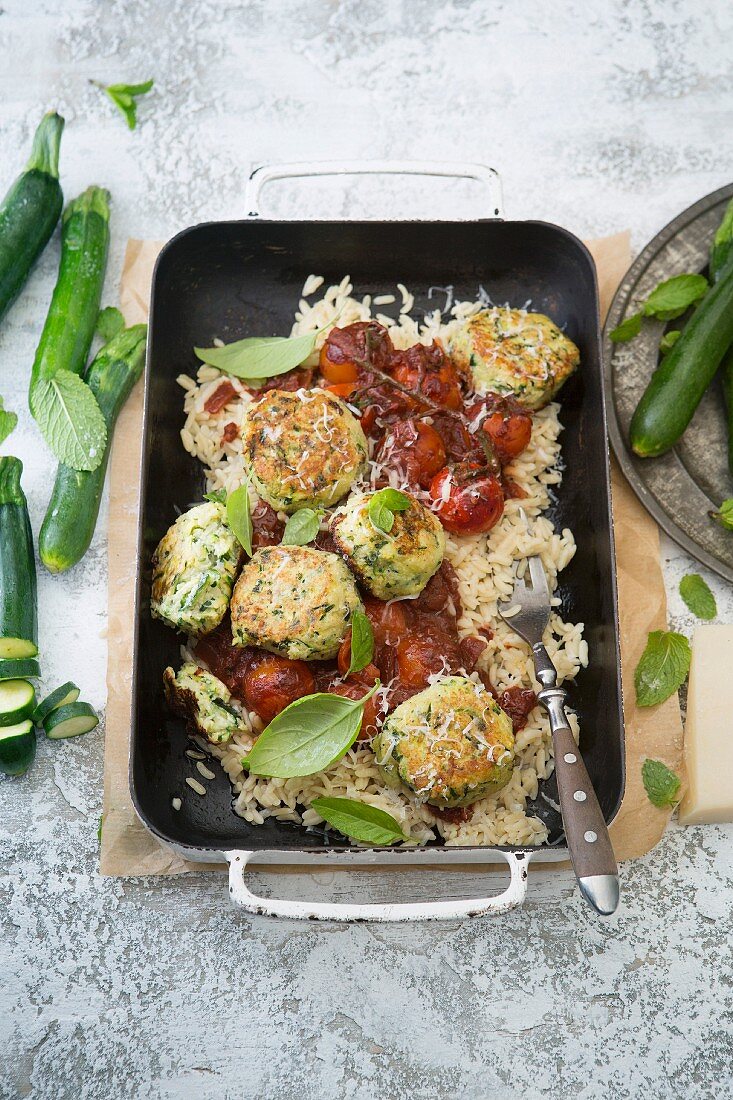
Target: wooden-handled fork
(528, 613)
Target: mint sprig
(70, 420)
(662, 668)
(698, 597)
(661, 784)
(124, 97)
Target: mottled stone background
(599, 115)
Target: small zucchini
(30, 210)
(18, 601)
(679, 382)
(26, 669)
(17, 700)
(72, 315)
(70, 720)
(71, 516)
(67, 693)
(17, 747)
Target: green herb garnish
(724, 515)
(70, 420)
(359, 820)
(383, 505)
(124, 97)
(698, 597)
(672, 297)
(8, 422)
(669, 340)
(259, 357)
(308, 736)
(662, 668)
(660, 783)
(362, 642)
(239, 516)
(627, 330)
(216, 496)
(302, 527)
(109, 322)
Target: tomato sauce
(448, 446)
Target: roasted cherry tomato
(429, 371)
(467, 499)
(356, 687)
(348, 351)
(414, 450)
(271, 683)
(507, 424)
(421, 655)
(341, 389)
(387, 619)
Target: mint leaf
(722, 242)
(109, 322)
(672, 297)
(302, 527)
(216, 496)
(124, 97)
(383, 505)
(8, 422)
(698, 597)
(660, 783)
(627, 330)
(662, 668)
(358, 820)
(724, 516)
(362, 642)
(239, 517)
(669, 340)
(70, 420)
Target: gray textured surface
(599, 115)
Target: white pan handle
(266, 173)
(414, 911)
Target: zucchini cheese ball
(303, 448)
(509, 351)
(295, 601)
(449, 744)
(395, 565)
(194, 567)
(203, 701)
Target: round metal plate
(682, 486)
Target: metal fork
(585, 829)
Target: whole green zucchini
(676, 387)
(72, 512)
(30, 210)
(726, 376)
(18, 601)
(72, 315)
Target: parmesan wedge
(708, 737)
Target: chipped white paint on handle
(268, 173)
(452, 909)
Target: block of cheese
(709, 729)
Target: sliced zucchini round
(17, 647)
(67, 693)
(17, 747)
(70, 720)
(26, 668)
(17, 700)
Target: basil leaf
(239, 517)
(359, 820)
(302, 527)
(124, 97)
(660, 783)
(669, 340)
(627, 330)
(8, 422)
(259, 357)
(216, 496)
(722, 242)
(383, 505)
(698, 597)
(308, 736)
(70, 420)
(109, 322)
(724, 516)
(362, 642)
(662, 668)
(672, 297)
